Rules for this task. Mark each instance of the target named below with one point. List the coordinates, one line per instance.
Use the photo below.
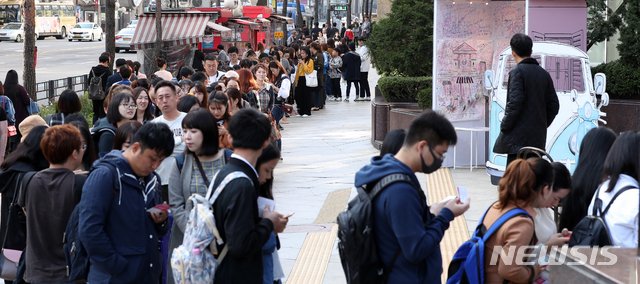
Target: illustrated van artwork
(580, 102)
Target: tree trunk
(328, 21)
(315, 11)
(370, 9)
(29, 74)
(365, 8)
(158, 45)
(110, 37)
(285, 4)
(298, 14)
(349, 3)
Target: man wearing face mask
(407, 231)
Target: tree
(629, 46)
(316, 9)
(110, 38)
(29, 74)
(402, 43)
(158, 45)
(298, 14)
(349, 10)
(285, 3)
(602, 22)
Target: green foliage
(424, 99)
(404, 89)
(87, 108)
(629, 46)
(602, 22)
(622, 79)
(402, 44)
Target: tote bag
(312, 79)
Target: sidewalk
(321, 155)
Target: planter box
(622, 115)
(385, 119)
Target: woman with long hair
(143, 112)
(282, 85)
(236, 102)
(193, 171)
(20, 99)
(188, 104)
(265, 165)
(219, 108)
(248, 87)
(90, 152)
(122, 108)
(587, 175)
(27, 157)
(266, 91)
(304, 94)
(68, 103)
(526, 184)
(199, 90)
(620, 175)
(125, 133)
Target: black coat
(112, 80)
(532, 104)
(351, 66)
(241, 228)
(318, 65)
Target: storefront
(242, 32)
(280, 26)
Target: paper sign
(262, 204)
(462, 194)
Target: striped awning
(177, 29)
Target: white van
(571, 74)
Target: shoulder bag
(312, 79)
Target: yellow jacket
(306, 68)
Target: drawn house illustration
(466, 75)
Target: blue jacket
(400, 213)
(112, 80)
(119, 235)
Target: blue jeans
(277, 114)
(356, 84)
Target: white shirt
(622, 218)
(164, 170)
(234, 155)
(364, 58)
(215, 77)
(285, 87)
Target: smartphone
(462, 194)
(289, 215)
(159, 208)
(220, 122)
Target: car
(86, 31)
(132, 24)
(13, 31)
(123, 39)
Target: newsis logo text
(529, 255)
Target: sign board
(291, 27)
(340, 7)
(278, 35)
(207, 42)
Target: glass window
(566, 73)
(12, 26)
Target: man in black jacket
(115, 77)
(100, 70)
(236, 209)
(532, 102)
(315, 31)
(351, 62)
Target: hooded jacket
(351, 66)
(105, 132)
(100, 71)
(119, 235)
(400, 213)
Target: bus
(52, 18)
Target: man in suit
(236, 208)
(115, 77)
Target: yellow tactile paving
(440, 185)
(313, 258)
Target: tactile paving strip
(313, 258)
(440, 185)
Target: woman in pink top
(163, 73)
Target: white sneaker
(305, 115)
(367, 99)
(298, 115)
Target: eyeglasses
(129, 106)
(84, 147)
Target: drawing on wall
(468, 37)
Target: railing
(48, 90)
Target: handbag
(10, 258)
(311, 79)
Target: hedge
(623, 81)
(405, 89)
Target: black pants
(304, 97)
(357, 85)
(364, 84)
(98, 110)
(336, 90)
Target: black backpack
(96, 92)
(592, 230)
(74, 253)
(357, 246)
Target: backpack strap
(504, 218)
(213, 195)
(614, 198)
(389, 180)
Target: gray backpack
(96, 92)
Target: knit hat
(29, 123)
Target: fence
(46, 91)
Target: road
(56, 58)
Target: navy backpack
(467, 265)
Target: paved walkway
(315, 180)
